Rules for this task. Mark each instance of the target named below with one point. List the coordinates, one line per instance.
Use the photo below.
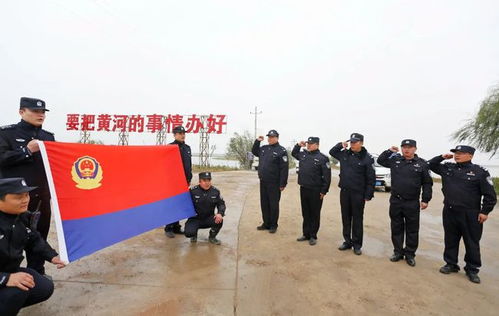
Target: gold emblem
(87, 173)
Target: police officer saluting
(185, 154)
(20, 157)
(357, 179)
(205, 198)
(409, 174)
(20, 287)
(273, 167)
(469, 197)
(314, 179)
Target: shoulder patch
(485, 169)
(285, 158)
(489, 180)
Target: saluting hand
(260, 138)
(21, 280)
(344, 144)
(447, 156)
(302, 144)
(58, 262)
(394, 149)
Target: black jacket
(273, 165)
(185, 153)
(17, 161)
(15, 237)
(205, 201)
(315, 170)
(464, 185)
(408, 176)
(356, 170)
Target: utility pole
(256, 113)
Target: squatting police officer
(206, 198)
(20, 287)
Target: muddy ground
(256, 273)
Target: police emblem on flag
(87, 173)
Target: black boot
(212, 238)
(449, 268)
(396, 257)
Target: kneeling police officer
(205, 198)
(20, 287)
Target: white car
(383, 176)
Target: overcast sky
(387, 69)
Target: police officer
(357, 179)
(205, 198)
(314, 179)
(409, 174)
(20, 287)
(20, 157)
(469, 197)
(273, 167)
(185, 153)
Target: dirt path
(279, 276)
(255, 273)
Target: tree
(238, 148)
(483, 130)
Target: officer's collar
(314, 151)
(464, 164)
(412, 159)
(178, 142)
(7, 215)
(361, 152)
(27, 125)
(276, 144)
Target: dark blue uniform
(468, 191)
(16, 237)
(314, 178)
(205, 202)
(186, 155)
(408, 177)
(357, 179)
(273, 167)
(17, 161)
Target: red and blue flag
(102, 194)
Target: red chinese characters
(154, 123)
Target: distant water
(218, 162)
